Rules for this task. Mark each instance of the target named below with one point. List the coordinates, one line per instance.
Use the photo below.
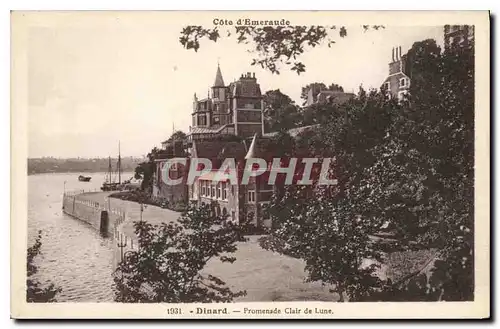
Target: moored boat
(82, 178)
(110, 184)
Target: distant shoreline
(128, 171)
(53, 165)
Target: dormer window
(404, 83)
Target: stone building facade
(226, 125)
(317, 96)
(160, 190)
(241, 203)
(235, 109)
(397, 82)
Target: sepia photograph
(250, 164)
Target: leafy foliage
(177, 136)
(325, 225)
(427, 167)
(408, 163)
(35, 292)
(280, 112)
(145, 170)
(168, 266)
(273, 45)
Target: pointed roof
(252, 149)
(219, 82)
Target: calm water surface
(74, 256)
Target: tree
(280, 112)
(410, 163)
(145, 170)
(169, 264)
(423, 178)
(35, 293)
(177, 136)
(273, 45)
(445, 111)
(327, 226)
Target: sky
(90, 86)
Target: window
(402, 82)
(213, 191)
(202, 120)
(251, 196)
(401, 95)
(224, 191)
(218, 190)
(203, 189)
(388, 85)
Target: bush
(35, 293)
(168, 266)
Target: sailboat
(109, 184)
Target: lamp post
(124, 262)
(122, 245)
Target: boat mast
(109, 171)
(119, 165)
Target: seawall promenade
(88, 206)
(265, 275)
(96, 209)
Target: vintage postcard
(250, 165)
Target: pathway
(265, 275)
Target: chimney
(395, 65)
(254, 75)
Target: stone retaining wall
(100, 217)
